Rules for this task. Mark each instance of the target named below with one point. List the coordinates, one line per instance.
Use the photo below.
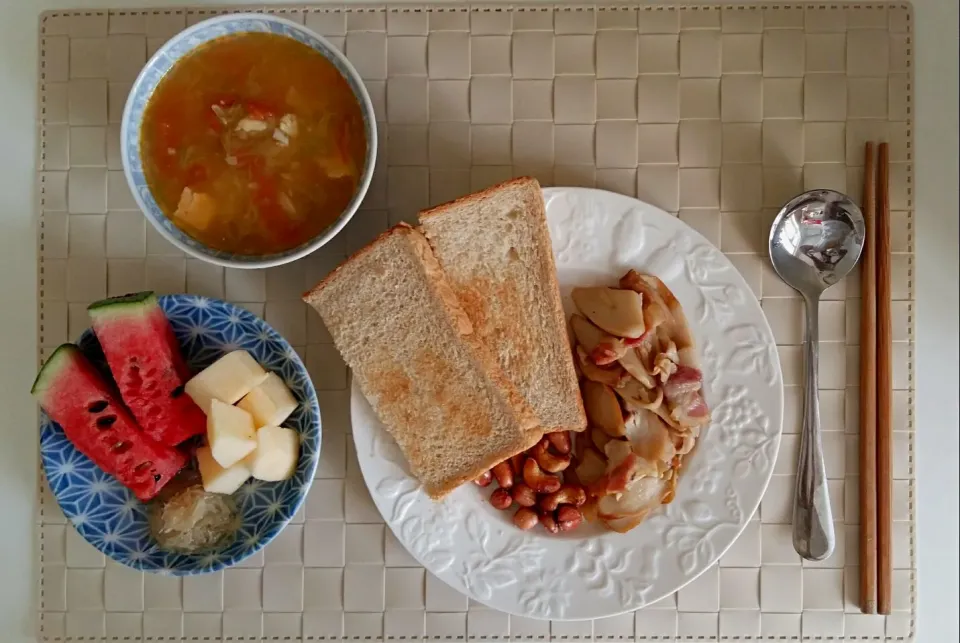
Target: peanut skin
(523, 495)
(501, 499)
(529, 479)
(569, 494)
(560, 441)
(568, 517)
(516, 463)
(548, 461)
(504, 475)
(549, 523)
(525, 518)
(485, 479)
(537, 479)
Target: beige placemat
(716, 114)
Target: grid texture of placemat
(718, 115)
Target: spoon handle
(813, 535)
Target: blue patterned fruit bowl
(107, 514)
(143, 89)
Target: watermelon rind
(63, 354)
(131, 304)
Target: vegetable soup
(253, 144)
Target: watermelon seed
(121, 447)
(106, 421)
(177, 392)
(157, 477)
(133, 376)
(96, 407)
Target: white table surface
(936, 287)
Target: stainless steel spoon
(815, 241)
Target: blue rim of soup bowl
(142, 91)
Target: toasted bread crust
(482, 195)
(553, 291)
(567, 391)
(311, 295)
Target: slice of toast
(415, 356)
(495, 249)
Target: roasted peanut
(568, 518)
(523, 495)
(539, 481)
(504, 475)
(501, 499)
(547, 460)
(560, 441)
(548, 522)
(485, 479)
(516, 463)
(525, 518)
(568, 494)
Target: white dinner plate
(591, 573)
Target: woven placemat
(716, 114)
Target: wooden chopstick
(868, 393)
(884, 389)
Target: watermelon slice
(145, 360)
(77, 397)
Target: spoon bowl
(815, 241)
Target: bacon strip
(684, 397)
(617, 479)
(610, 351)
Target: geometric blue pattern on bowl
(110, 518)
(161, 62)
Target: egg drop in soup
(253, 143)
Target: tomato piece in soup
(213, 121)
(272, 215)
(258, 110)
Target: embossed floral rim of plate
(592, 573)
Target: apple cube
(228, 379)
(217, 479)
(275, 457)
(230, 433)
(271, 402)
